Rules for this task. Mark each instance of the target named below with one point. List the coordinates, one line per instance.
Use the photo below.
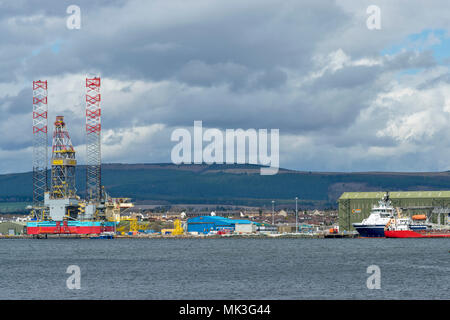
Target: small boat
(104, 235)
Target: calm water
(225, 268)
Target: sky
(344, 97)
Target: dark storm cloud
(354, 76)
(272, 78)
(30, 28)
(50, 7)
(238, 77)
(293, 112)
(199, 73)
(137, 48)
(17, 104)
(441, 79)
(410, 60)
(349, 77)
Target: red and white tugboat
(405, 227)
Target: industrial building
(356, 206)
(12, 228)
(206, 224)
(244, 227)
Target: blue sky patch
(438, 41)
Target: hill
(231, 184)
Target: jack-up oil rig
(58, 209)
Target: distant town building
(282, 213)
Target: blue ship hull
(370, 231)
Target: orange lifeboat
(419, 217)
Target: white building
(245, 228)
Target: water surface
(225, 268)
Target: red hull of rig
(69, 227)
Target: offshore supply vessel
(374, 225)
(58, 209)
(384, 215)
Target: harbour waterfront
(225, 268)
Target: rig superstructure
(58, 209)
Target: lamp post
(296, 215)
(273, 212)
